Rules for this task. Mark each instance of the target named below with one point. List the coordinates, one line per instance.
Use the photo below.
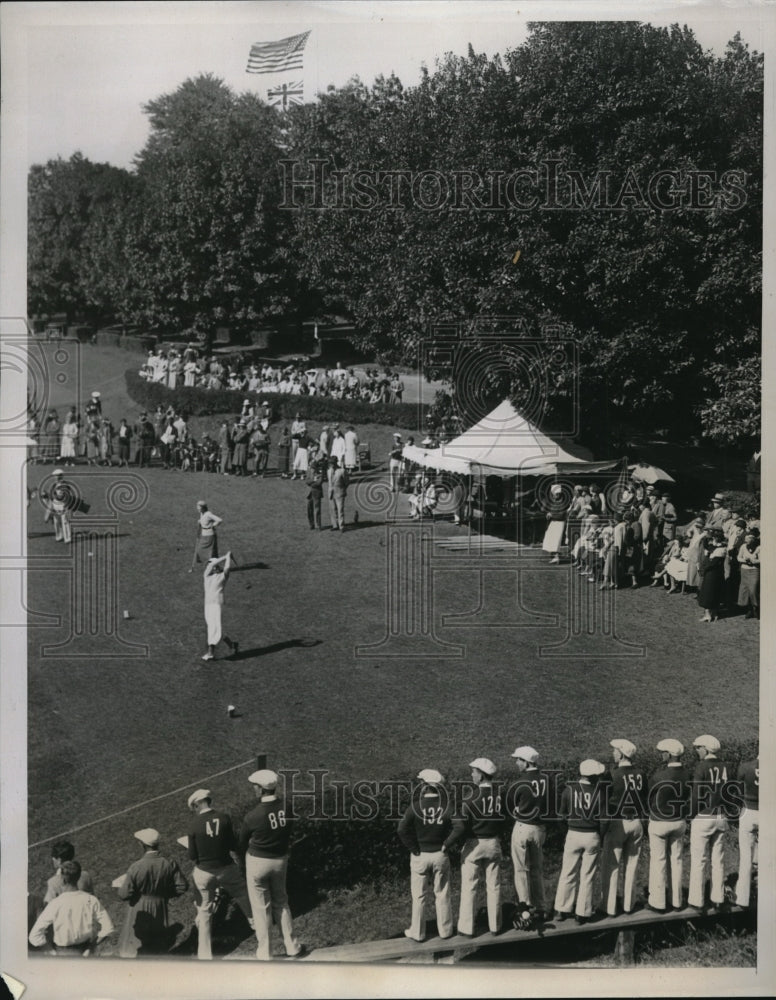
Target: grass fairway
(108, 733)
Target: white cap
(58, 472)
(431, 776)
(198, 796)
(95, 395)
(397, 435)
(149, 837)
(265, 778)
(711, 743)
(674, 747)
(589, 768)
(484, 765)
(626, 748)
(527, 753)
(556, 488)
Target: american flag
(287, 93)
(277, 57)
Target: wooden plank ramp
(393, 949)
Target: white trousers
(427, 868)
(206, 883)
(666, 859)
(706, 837)
(62, 531)
(581, 853)
(267, 892)
(480, 857)
(748, 837)
(621, 848)
(528, 862)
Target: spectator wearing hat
(314, 478)
(214, 580)
(632, 555)
(351, 450)
(718, 514)
(748, 828)
(69, 439)
(749, 566)
(75, 919)
(338, 446)
(213, 848)
(627, 810)
(668, 806)
(582, 807)
(146, 438)
(556, 523)
(709, 824)
(124, 435)
(50, 440)
(298, 433)
(694, 537)
(338, 488)
(225, 447)
(668, 518)
(527, 802)
(148, 886)
(711, 570)
(260, 443)
(324, 441)
(423, 829)
(395, 462)
(94, 407)
(240, 448)
(479, 829)
(284, 453)
(264, 843)
(61, 852)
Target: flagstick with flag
(277, 57)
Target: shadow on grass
(276, 647)
(252, 565)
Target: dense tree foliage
(621, 160)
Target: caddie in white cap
(395, 462)
(479, 830)
(668, 802)
(149, 884)
(61, 504)
(527, 802)
(423, 829)
(212, 842)
(582, 805)
(264, 842)
(627, 810)
(709, 823)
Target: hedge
(206, 402)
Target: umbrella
(649, 473)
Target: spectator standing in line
(351, 449)
(338, 488)
(240, 449)
(627, 811)
(124, 436)
(582, 807)
(528, 805)
(718, 513)
(225, 447)
(669, 518)
(314, 479)
(709, 823)
(213, 849)
(324, 441)
(711, 570)
(423, 830)
(75, 919)
(260, 445)
(298, 433)
(284, 453)
(61, 852)
(301, 457)
(338, 447)
(479, 830)
(668, 806)
(749, 566)
(148, 886)
(264, 843)
(748, 828)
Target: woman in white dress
(351, 449)
(190, 374)
(69, 440)
(174, 368)
(300, 459)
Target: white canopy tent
(504, 443)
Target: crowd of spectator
(187, 368)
